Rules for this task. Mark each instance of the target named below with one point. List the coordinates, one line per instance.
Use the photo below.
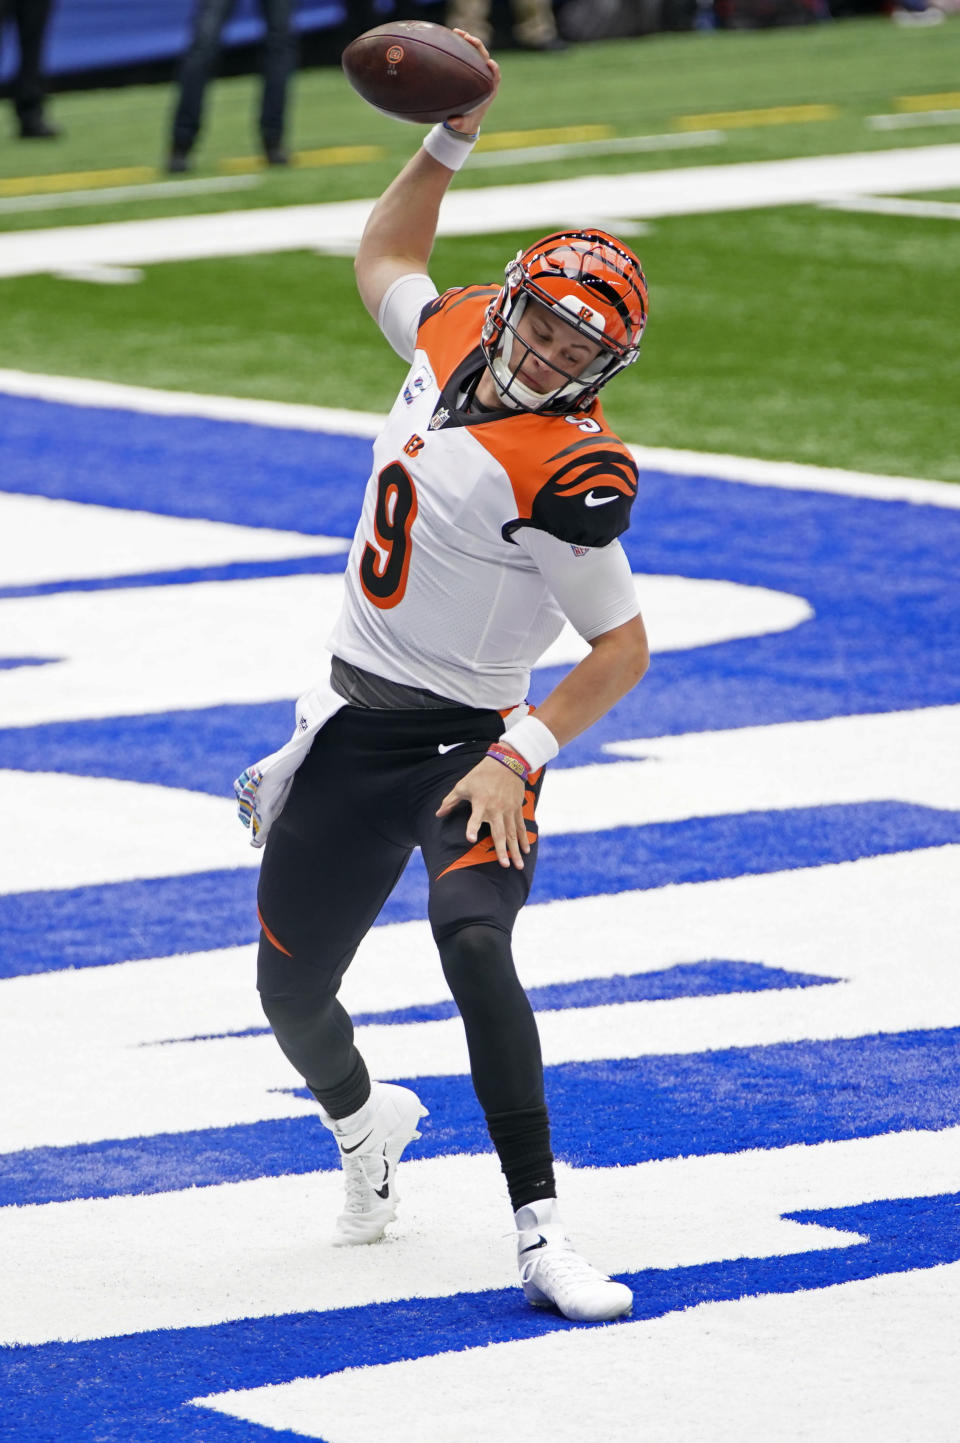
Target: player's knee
(477, 962)
(283, 986)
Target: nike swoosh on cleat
(357, 1144)
(534, 1246)
(445, 747)
(384, 1192)
(592, 499)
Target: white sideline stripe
(914, 119)
(62, 199)
(751, 471)
(797, 476)
(618, 145)
(112, 395)
(877, 205)
(694, 190)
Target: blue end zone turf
(122, 921)
(680, 1105)
(880, 578)
(139, 1387)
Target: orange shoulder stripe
(452, 330)
(536, 450)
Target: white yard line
(895, 205)
(914, 119)
(617, 145)
(696, 190)
(61, 199)
(751, 471)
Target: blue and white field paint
(742, 944)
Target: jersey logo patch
(418, 384)
(415, 445)
(440, 416)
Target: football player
(491, 517)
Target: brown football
(415, 70)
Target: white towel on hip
(263, 788)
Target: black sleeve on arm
(587, 501)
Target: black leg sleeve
(314, 1031)
(505, 1058)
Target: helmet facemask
(591, 283)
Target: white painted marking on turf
(690, 191)
(101, 275)
(856, 921)
(114, 194)
(111, 395)
(794, 476)
(108, 1266)
(914, 120)
(867, 1361)
(751, 471)
(197, 632)
(906, 756)
(677, 609)
(85, 831)
(44, 539)
(587, 149)
(877, 205)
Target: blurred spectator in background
(534, 26)
(917, 12)
(209, 19)
(31, 18)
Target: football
(416, 70)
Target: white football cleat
(553, 1274)
(369, 1153)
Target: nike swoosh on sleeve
(592, 499)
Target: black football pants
(365, 796)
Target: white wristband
(449, 147)
(534, 742)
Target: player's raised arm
(399, 234)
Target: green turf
(638, 87)
(796, 334)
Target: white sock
(545, 1212)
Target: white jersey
(480, 533)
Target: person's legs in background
(472, 16)
(32, 18)
(534, 25)
(278, 63)
(208, 22)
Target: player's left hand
(495, 795)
